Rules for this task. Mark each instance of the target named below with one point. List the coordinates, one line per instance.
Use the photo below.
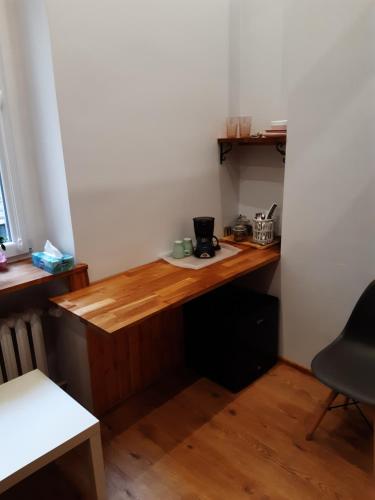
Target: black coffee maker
(204, 233)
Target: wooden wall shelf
(226, 144)
(23, 274)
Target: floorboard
(193, 440)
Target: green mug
(188, 246)
(178, 250)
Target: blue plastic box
(52, 264)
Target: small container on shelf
(239, 233)
(232, 127)
(242, 220)
(263, 231)
(3, 262)
(245, 126)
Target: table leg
(97, 466)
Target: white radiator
(22, 347)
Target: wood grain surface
(253, 141)
(249, 242)
(127, 363)
(203, 443)
(206, 443)
(115, 303)
(23, 274)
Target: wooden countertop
(120, 301)
(24, 274)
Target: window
(4, 223)
(10, 200)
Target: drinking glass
(232, 127)
(245, 126)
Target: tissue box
(53, 265)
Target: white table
(39, 422)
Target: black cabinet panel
(232, 335)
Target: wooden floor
(205, 443)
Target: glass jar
(239, 233)
(242, 220)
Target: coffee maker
(204, 233)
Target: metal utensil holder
(263, 231)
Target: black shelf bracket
(225, 148)
(281, 148)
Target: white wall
(45, 127)
(25, 46)
(317, 71)
(257, 81)
(328, 249)
(261, 182)
(260, 34)
(262, 66)
(142, 91)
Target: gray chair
(347, 365)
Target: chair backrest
(361, 324)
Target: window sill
(23, 274)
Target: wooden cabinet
(127, 363)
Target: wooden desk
(115, 303)
(138, 316)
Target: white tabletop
(36, 416)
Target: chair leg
(320, 414)
(371, 413)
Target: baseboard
(296, 366)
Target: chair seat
(347, 367)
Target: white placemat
(193, 262)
